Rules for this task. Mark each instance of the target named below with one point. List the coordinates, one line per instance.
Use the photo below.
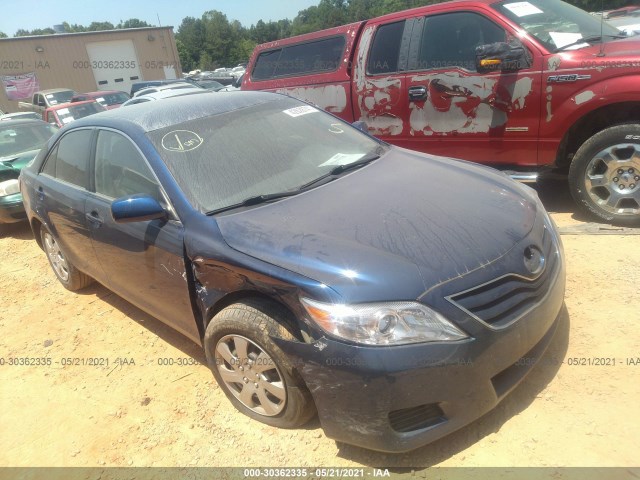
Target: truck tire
(255, 375)
(604, 176)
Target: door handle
(94, 219)
(40, 194)
(417, 94)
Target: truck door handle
(94, 219)
(417, 94)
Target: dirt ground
(141, 413)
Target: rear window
(301, 59)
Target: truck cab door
(491, 117)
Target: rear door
(62, 190)
(143, 261)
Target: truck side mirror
(501, 56)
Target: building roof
(96, 32)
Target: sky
(31, 14)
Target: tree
(98, 26)
(133, 23)
(3, 35)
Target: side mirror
(136, 208)
(501, 56)
(238, 81)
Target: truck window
(302, 59)
(385, 49)
(450, 40)
(39, 101)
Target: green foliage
(3, 35)
(133, 23)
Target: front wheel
(604, 176)
(256, 376)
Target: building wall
(61, 60)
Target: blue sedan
(323, 271)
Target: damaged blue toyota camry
(323, 271)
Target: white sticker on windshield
(342, 159)
(53, 102)
(63, 111)
(522, 9)
(99, 99)
(67, 120)
(49, 95)
(563, 38)
(299, 111)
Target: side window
(69, 161)
(121, 170)
(385, 49)
(40, 101)
(303, 59)
(450, 40)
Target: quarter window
(450, 40)
(120, 169)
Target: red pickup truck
(525, 86)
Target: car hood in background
(397, 227)
(17, 162)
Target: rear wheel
(256, 376)
(68, 275)
(604, 177)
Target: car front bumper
(399, 398)
(12, 209)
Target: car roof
(150, 116)
(70, 104)
(55, 90)
(162, 94)
(22, 121)
(100, 92)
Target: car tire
(604, 176)
(68, 275)
(254, 373)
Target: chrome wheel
(56, 257)
(612, 179)
(251, 375)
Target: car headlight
(393, 323)
(9, 187)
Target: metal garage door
(115, 64)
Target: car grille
(416, 418)
(502, 301)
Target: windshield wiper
(339, 169)
(589, 39)
(256, 200)
(334, 172)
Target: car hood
(390, 230)
(15, 163)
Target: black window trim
(403, 53)
(282, 47)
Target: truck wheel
(68, 275)
(604, 177)
(255, 375)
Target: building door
(115, 64)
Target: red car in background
(109, 99)
(65, 113)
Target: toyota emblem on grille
(533, 259)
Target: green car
(20, 142)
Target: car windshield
(113, 98)
(557, 25)
(291, 144)
(60, 97)
(17, 139)
(75, 111)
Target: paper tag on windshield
(63, 111)
(563, 38)
(299, 111)
(67, 119)
(99, 99)
(342, 159)
(522, 9)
